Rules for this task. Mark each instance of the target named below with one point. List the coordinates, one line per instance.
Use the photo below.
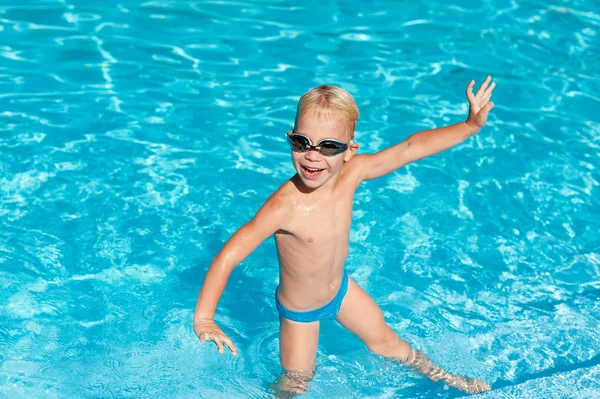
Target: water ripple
(133, 138)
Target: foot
(468, 385)
(292, 383)
(421, 363)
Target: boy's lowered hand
(207, 329)
(479, 103)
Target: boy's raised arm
(264, 224)
(429, 142)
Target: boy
(313, 282)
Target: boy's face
(314, 168)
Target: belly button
(310, 239)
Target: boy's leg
(298, 350)
(361, 315)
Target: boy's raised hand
(479, 102)
(207, 329)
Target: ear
(350, 152)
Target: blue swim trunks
(329, 311)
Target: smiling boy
(310, 216)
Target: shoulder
(355, 167)
(359, 160)
(277, 205)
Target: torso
(312, 246)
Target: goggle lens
(329, 148)
(300, 143)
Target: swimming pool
(136, 138)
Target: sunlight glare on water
(137, 136)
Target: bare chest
(321, 224)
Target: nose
(312, 155)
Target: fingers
(483, 86)
(219, 340)
(484, 92)
(231, 346)
(488, 92)
(215, 338)
(219, 343)
(485, 110)
(470, 95)
(484, 113)
(487, 98)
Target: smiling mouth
(311, 172)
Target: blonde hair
(325, 100)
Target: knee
(384, 343)
(388, 344)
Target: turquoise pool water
(136, 137)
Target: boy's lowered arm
(265, 223)
(429, 142)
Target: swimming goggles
(326, 147)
